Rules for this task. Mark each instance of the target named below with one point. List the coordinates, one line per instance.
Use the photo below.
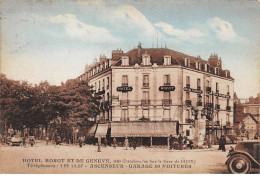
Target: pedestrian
(105, 142)
(180, 141)
(134, 143)
(99, 144)
(31, 142)
(24, 141)
(126, 143)
(114, 143)
(80, 141)
(223, 148)
(171, 142)
(47, 140)
(219, 143)
(191, 144)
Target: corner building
(152, 93)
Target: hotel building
(152, 93)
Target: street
(72, 159)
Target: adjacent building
(152, 93)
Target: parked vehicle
(16, 141)
(244, 157)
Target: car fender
(242, 153)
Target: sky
(54, 40)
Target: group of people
(180, 143)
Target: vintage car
(244, 157)
(15, 141)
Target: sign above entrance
(187, 89)
(222, 95)
(124, 89)
(166, 88)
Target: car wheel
(239, 164)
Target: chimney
(116, 54)
(139, 50)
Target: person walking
(126, 143)
(47, 140)
(180, 141)
(134, 143)
(223, 147)
(31, 142)
(80, 141)
(171, 142)
(24, 141)
(114, 143)
(99, 144)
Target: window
(166, 80)
(167, 60)
(198, 65)
(217, 71)
(146, 60)
(145, 100)
(227, 89)
(216, 101)
(103, 86)
(108, 97)
(187, 95)
(187, 62)
(124, 80)
(125, 61)
(166, 97)
(187, 132)
(207, 98)
(124, 115)
(198, 84)
(107, 82)
(99, 86)
(146, 80)
(206, 67)
(217, 89)
(207, 83)
(187, 116)
(95, 87)
(187, 81)
(227, 117)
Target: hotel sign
(222, 95)
(187, 89)
(166, 88)
(124, 89)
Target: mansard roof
(177, 58)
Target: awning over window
(143, 129)
(101, 130)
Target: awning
(143, 129)
(87, 131)
(101, 130)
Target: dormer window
(125, 61)
(167, 60)
(187, 62)
(206, 67)
(198, 65)
(216, 70)
(146, 59)
(227, 74)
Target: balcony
(209, 105)
(217, 107)
(145, 84)
(188, 85)
(208, 89)
(167, 84)
(166, 102)
(199, 103)
(228, 124)
(228, 108)
(217, 122)
(124, 102)
(189, 120)
(188, 102)
(145, 102)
